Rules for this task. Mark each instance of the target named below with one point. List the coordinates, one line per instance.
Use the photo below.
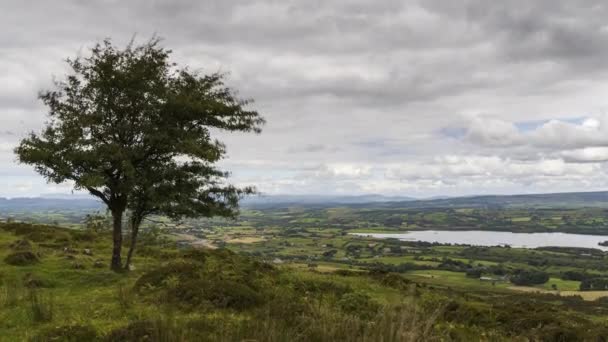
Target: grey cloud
(332, 76)
(312, 148)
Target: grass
(453, 279)
(396, 260)
(223, 296)
(561, 285)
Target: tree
(134, 130)
(529, 277)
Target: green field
(334, 277)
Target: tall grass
(124, 296)
(403, 323)
(11, 293)
(41, 307)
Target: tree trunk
(135, 223)
(116, 264)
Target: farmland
(464, 290)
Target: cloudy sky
(417, 98)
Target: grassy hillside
(56, 287)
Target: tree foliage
(529, 277)
(135, 130)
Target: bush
(346, 273)
(84, 235)
(219, 278)
(358, 304)
(219, 293)
(136, 331)
(157, 278)
(67, 333)
(161, 329)
(594, 284)
(574, 275)
(63, 238)
(529, 277)
(474, 273)
(21, 245)
(36, 233)
(393, 280)
(21, 258)
(321, 287)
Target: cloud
(550, 135)
(419, 97)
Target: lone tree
(134, 130)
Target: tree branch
(99, 194)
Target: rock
(131, 267)
(87, 251)
(99, 264)
(70, 257)
(69, 250)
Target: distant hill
(569, 200)
(319, 200)
(35, 204)
(566, 200)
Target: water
(490, 238)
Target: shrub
(21, 258)
(574, 275)
(529, 277)
(321, 287)
(136, 331)
(594, 284)
(157, 277)
(394, 280)
(63, 238)
(21, 245)
(67, 333)
(473, 273)
(84, 235)
(196, 255)
(346, 273)
(161, 329)
(222, 279)
(358, 304)
(219, 293)
(228, 294)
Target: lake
(491, 238)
